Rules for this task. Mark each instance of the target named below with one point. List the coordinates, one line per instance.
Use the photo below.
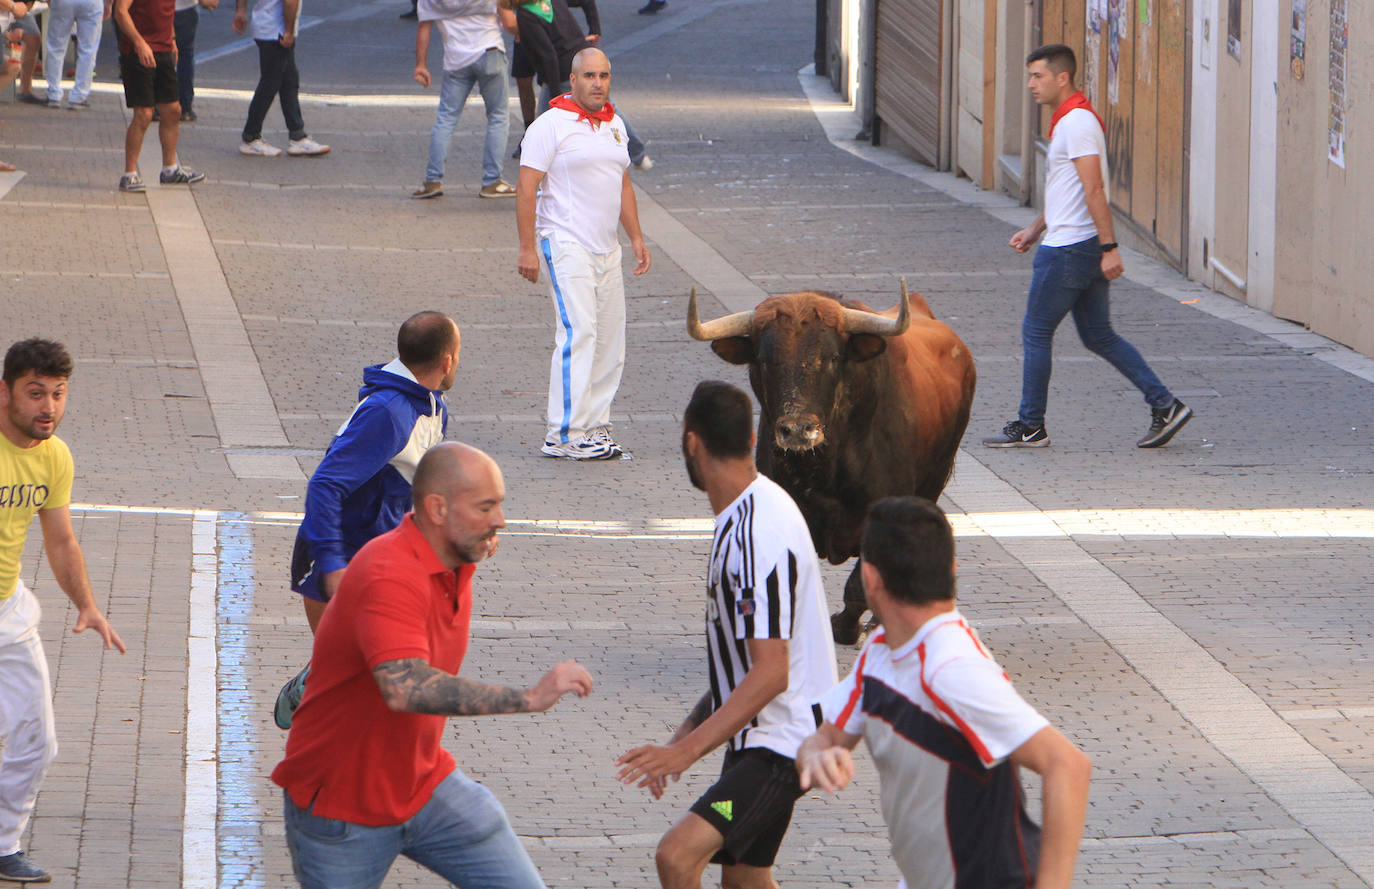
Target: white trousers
(589, 343)
(27, 733)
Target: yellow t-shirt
(31, 479)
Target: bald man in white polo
(574, 189)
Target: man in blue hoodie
(362, 486)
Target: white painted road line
(199, 836)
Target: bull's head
(798, 347)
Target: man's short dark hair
(44, 357)
(722, 416)
(424, 339)
(910, 542)
(1058, 57)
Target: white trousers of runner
(589, 341)
(27, 732)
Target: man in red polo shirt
(365, 777)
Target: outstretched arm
(412, 685)
(766, 679)
(69, 567)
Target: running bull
(855, 405)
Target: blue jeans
(490, 76)
(461, 834)
(1069, 279)
(184, 24)
(89, 18)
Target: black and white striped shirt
(764, 583)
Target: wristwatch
(1110, 246)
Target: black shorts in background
(751, 805)
(520, 64)
(145, 87)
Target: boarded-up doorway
(907, 74)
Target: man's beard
(692, 475)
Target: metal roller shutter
(906, 73)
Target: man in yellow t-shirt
(35, 477)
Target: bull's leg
(844, 624)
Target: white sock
(167, 171)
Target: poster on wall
(1092, 60)
(1117, 20)
(1297, 42)
(1233, 17)
(1340, 34)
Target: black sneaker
(19, 869)
(1018, 435)
(1165, 423)
(181, 176)
(652, 7)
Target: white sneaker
(584, 448)
(306, 147)
(645, 163)
(258, 148)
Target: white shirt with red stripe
(940, 717)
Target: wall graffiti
(1120, 162)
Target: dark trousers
(184, 23)
(277, 77)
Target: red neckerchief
(566, 102)
(1077, 100)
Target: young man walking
(946, 729)
(148, 65)
(574, 187)
(474, 55)
(1075, 262)
(275, 25)
(36, 473)
(365, 775)
(770, 658)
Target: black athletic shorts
(145, 87)
(751, 805)
(520, 63)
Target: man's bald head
(591, 79)
(458, 492)
(590, 55)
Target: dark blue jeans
(184, 23)
(1069, 279)
(277, 79)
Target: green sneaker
(289, 698)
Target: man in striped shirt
(770, 657)
(945, 727)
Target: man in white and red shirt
(945, 727)
(574, 188)
(1075, 263)
(365, 777)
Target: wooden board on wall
(1145, 150)
(1170, 185)
(1121, 115)
(906, 75)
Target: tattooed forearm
(701, 712)
(411, 685)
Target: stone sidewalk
(1195, 617)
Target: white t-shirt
(1078, 134)
(584, 170)
(764, 583)
(469, 28)
(183, 5)
(939, 717)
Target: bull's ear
(863, 346)
(734, 349)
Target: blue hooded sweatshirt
(362, 487)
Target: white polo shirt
(764, 583)
(939, 717)
(1078, 134)
(584, 169)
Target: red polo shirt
(357, 759)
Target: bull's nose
(799, 432)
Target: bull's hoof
(844, 629)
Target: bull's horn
(857, 321)
(737, 324)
